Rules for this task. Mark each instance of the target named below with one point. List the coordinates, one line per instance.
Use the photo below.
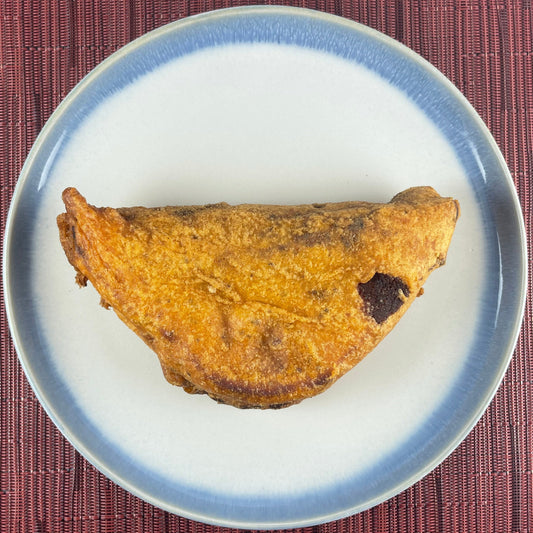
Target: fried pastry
(259, 305)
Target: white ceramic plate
(267, 105)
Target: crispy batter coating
(259, 305)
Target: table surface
(485, 48)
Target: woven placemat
(484, 47)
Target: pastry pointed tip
(68, 193)
(72, 197)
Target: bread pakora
(259, 306)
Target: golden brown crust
(256, 305)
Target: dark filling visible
(383, 295)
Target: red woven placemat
(485, 48)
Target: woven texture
(484, 47)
